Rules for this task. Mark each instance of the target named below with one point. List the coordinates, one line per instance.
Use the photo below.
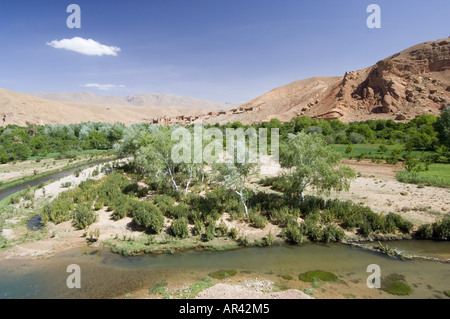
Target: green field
(437, 175)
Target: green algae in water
(221, 274)
(310, 276)
(395, 285)
(447, 293)
(158, 288)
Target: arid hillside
(401, 87)
(413, 82)
(20, 108)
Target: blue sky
(225, 51)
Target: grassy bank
(437, 175)
(154, 244)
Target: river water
(106, 275)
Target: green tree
(312, 163)
(234, 176)
(442, 127)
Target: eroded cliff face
(408, 84)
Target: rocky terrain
(401, 87)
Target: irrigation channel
(17, 188)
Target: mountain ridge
(401, 87)
(144, 99)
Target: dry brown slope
(413, 82)
(283, 102)
(20, 108)
(403, 86)
(146, 99)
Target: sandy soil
(268, 286)
(378, 189)
(226, 291)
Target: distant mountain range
(401, 87)
(148, 99)
(43, 108)
(20, 108)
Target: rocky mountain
(403, 86)
(148, 99)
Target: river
(107, 275)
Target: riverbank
(375, 187)
(248, 270)
(20, 172)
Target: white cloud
(84, 46)
(104, 87)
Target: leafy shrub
(375, 221)
(210, 232)
(311, 205)
(441, 229)
(292, 233)
(333, 233)
(405, 226)
(257, 220)
(66, 185)
(180, 228)
(149, 216)
(180, 211)
(164, 202)
(356, 138)
(269, 239)
(278, 216)
(122, 210)
(243, 241)
(99, 204)
(198, 227)
(233, 233)
(59, 210)
(425, 231)
(315, 233)
(390, 224)
(222, 230)
(78, 172)
(365, 229)
(84, 216)
(402, 224)
(95, 172)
